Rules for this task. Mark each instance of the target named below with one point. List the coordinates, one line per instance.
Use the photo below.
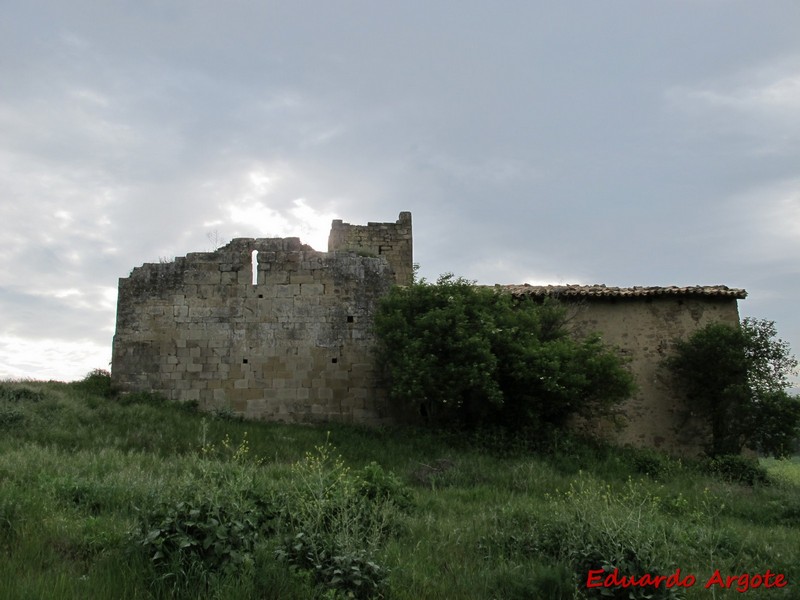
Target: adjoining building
(272, 329)
(643, 324)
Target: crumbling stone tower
(266, 328)
(390, 240)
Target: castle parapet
(393, 241)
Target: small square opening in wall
(261, 295)
(334, 360)
(350, 318)
(244, 361)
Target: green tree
(466, 354)
(736, 377)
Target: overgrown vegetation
(336, 521)
(468, 355)
(736, 379)
(134, 497)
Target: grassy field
(786, 471)
(133, 497)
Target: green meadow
(135, 497)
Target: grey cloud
(612, 143)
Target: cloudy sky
(619, 142)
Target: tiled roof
(602, 291)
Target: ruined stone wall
(645, 329)
(296, 346)
(390, 240)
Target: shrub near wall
(462, 354)
(736, 378)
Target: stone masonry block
(312, 289)
(301, 279)
(288, 290)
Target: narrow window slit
(254, 261)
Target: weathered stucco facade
(272, 329)
(643, 323)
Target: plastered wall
(644, 329)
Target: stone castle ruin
(272, 329)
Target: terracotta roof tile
(602, 291)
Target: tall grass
(133, 497)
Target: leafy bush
(96, 382)
(460, 353)
(377, 486)
(775, 424)
(736, 469)
(17, 394)
(13, 401)
(352, 573)
(216, 524)
(207, 535)
(10, 415)
(335, 522)
(736, 378)
(652, 463)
